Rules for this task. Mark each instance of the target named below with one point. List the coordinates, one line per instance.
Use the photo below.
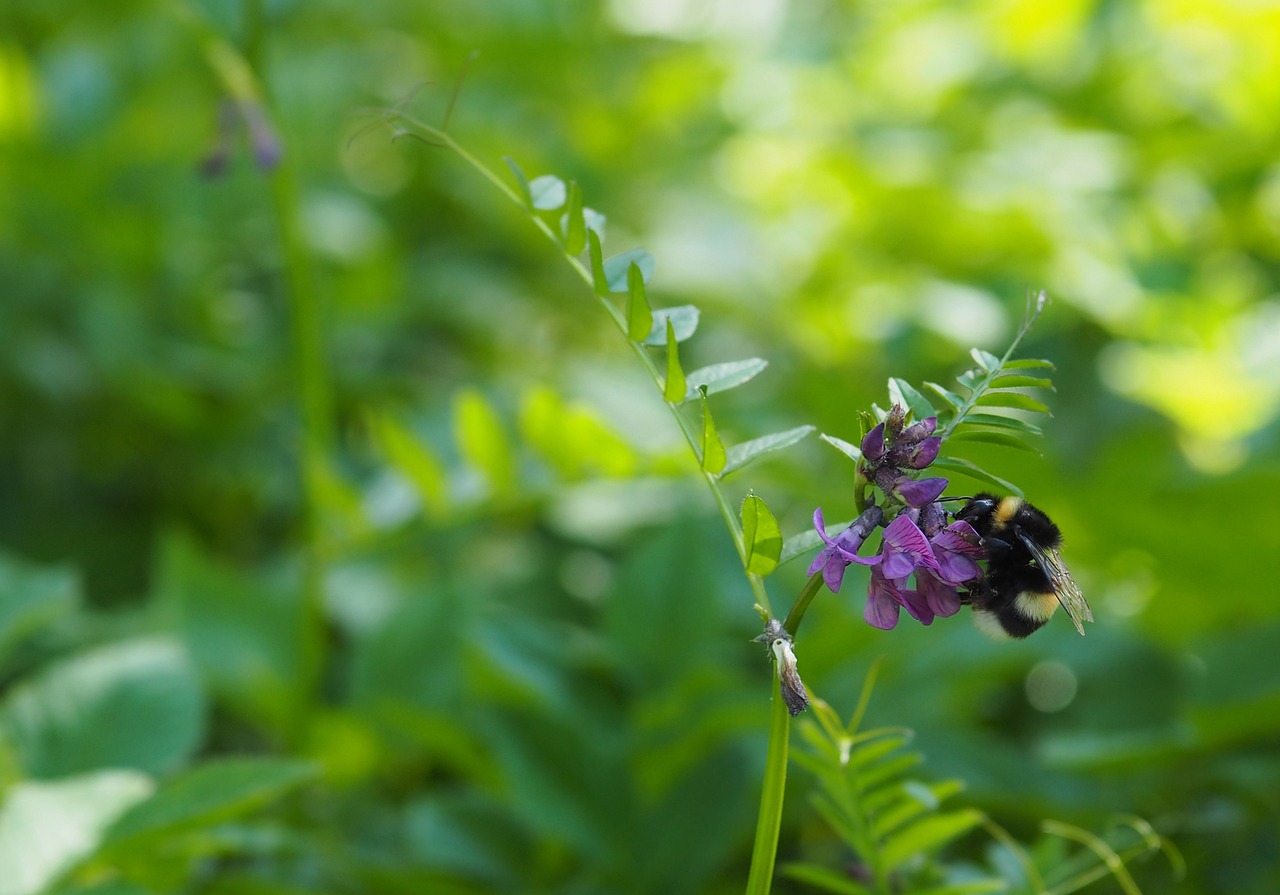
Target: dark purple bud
(932, 519)
(873, 443)
(919, 492)
(919, 431)
(925, 452)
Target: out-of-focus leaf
(135, 704)
(574, 225)
(985, 359)
(522, 182)
(231, 621)
(599, 280)
(571, 438)
(617, 267)
(823, 878)
(673, 391)
(547, 192)
(974, 471)
(639, 314)
(413, 459)
(1004, 439)
(852, 451)
(973, 887)
(927, 835)
(1001, 422)
(713, 454)
(683, 319)
(1012, 399)
(949, 397)
(760, 535)
(211, 793)
(904, 393)
(1007, 381)
(595, 221)
(483, 442)
(722, 377)
(742, 454)
(47, 828)
(1029, 363)
(32, 597)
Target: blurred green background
(471, 623)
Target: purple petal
(833, 572)
(922, 491)
(918, 606)
(873, 443)
(819, 561)
(956, 569)
(820, 524)
(882, 606)
(942, 598)
(959, 537)
(904, 536)
(919, 430)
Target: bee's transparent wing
(1064, 586)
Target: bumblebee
(1026, 578)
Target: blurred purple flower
(842, 550)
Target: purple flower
(955, 548)
(905, 549)
(917, 432)
(916, 455)
(841, 550)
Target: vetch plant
(927, 561)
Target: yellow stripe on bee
(1038, 607)
(1005, 510)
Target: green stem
(406, 124)
(764, 851)
(238, 78)
(801, 605)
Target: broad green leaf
(985, 359)
(852, 451)
(134, 704)
(1012, 399)
(722, 377)
(684, 318)
(823, 879)
(945, 394)
(760, 536)
(639, 315)
(47, 828)
(802, 542)
(674, 390)
(976, 472)
(904, 393)
(1029, 363)
(483, 442)
(1007, 381)
(547, 192)
(599, 281)
(211, 793)
(971, 378)
(574, 225)
(1001, 422)
(927, 835)
(522, 182)
(713, 454)
(1004, 439)
(413, 459)
(616, 268)
(33, 597)
(742, 454)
